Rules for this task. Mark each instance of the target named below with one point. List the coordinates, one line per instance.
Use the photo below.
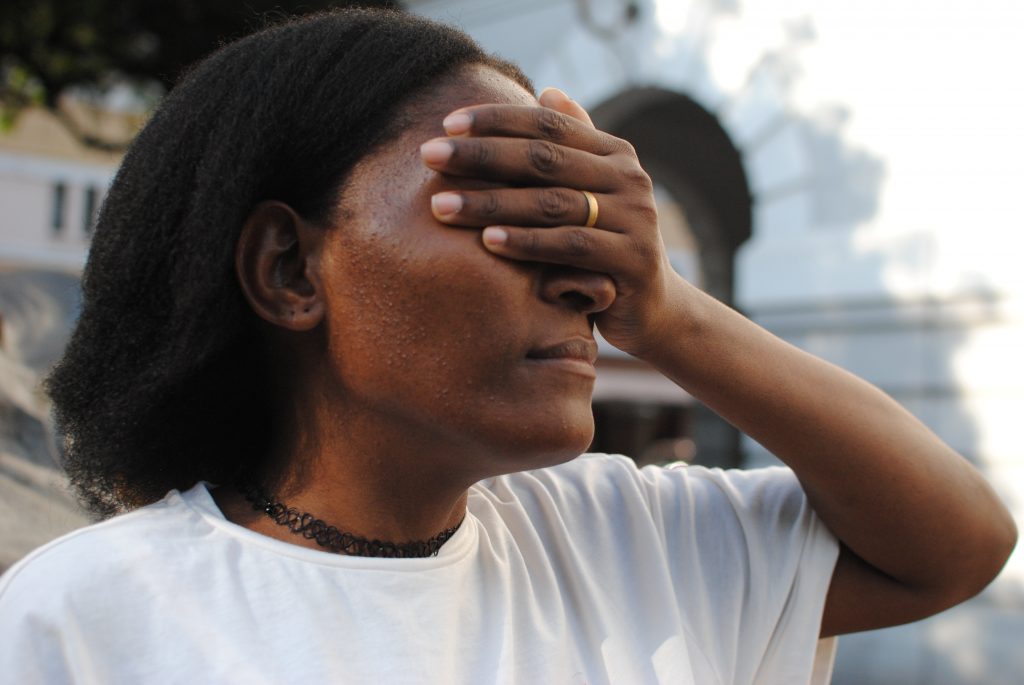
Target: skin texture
(406, 341)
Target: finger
(583, 248)
(523, 121)
(522, 207)
(555, 99)
(520, 161)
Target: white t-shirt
(588, 572)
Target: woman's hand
(544, 157)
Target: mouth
(575, 354)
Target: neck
(378, 488)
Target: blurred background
(849, 175)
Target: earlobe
(276, 262)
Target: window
(92, 196)
(58, 200)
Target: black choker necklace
(333, 539)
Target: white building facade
(51, 188)
(882, 165)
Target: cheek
(442, 325)
(438, 341)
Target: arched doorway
(704, 207)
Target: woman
(350, 273)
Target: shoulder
(603, 487)
(681, 506)
(586, 469)
(91, 561)
(589, 477)
(604, 476)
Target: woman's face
(433, 337)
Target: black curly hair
(161, 384)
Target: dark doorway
(704, 208)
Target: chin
(551, 444)
(532, 435)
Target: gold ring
(592, 205)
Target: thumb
(553, 98)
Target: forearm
(889, 489)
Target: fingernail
(550, 92)
(494, 236)
(436, 151)
(444, 204)
(457, 123)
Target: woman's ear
(277, 263)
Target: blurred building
(52, 182)
(848, 175)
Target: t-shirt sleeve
(751, 563)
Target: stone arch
(689, 154)
(686, 150)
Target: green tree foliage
(48, 46)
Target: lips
(579, 349)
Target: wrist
(677, 322)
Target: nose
(587, 292)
